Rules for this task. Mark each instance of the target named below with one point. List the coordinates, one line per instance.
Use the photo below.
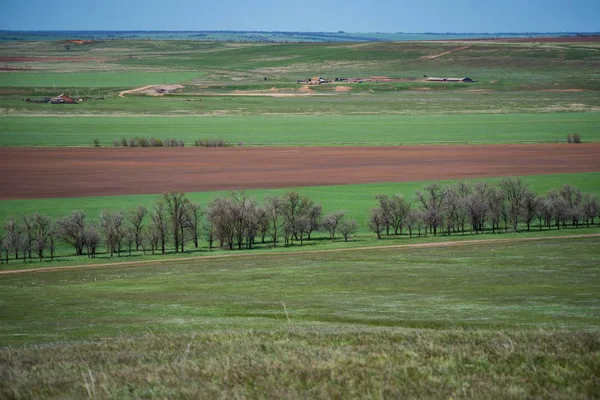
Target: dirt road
(79, 172)
(307, 252)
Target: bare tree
(431, 203)
(92, 240)
(376, 222)
(477, 206)
(544, 212)
(158, 228)
(411, 221)
(331, 223)
(42, 228)
(559, 208)
(514, 190)
(176, 205)
(348, 227)
(112, 224)
(313, 214)
(302, 225)
(495, 202)
(12, 238)
(529, 207)
(589, 208)
(192, 220)
(274, 216)
(29, 234)
(136, 219)
(573, 198)
(394, 209)
(72, 230)
(294, 206)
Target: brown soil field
(79, 172)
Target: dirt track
(162, 261)
(79, 172)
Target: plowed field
(79, 172)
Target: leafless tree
(72, 230)
(544, 212)
(477, 206)
(332, 222)
(293, 206)
(176, 206)
(255, 217)
(376, 222)
(529, 207)
(573, 198)
(559, 208)
(42, 229)
(313, 214)
(136, 220)
(514, 190)
(113, 226)
(590, 207)
(274, 216)
(193, 220)
(28, 231)
(348, 227)
(495, 202)
(394, 209)
(12, 237)
(302, 225)
(159, 227)
(92, 240)
(431, 203)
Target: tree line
(232, 222)
(462, 207)
(239, 222)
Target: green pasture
(483, 321)
(304, 130)
(355, 200)
(94, 79)
(528, 285)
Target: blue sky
(307, 15)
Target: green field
(94, 79)
(515, 320)
(305, 130)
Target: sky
(308, 15)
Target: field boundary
(301, 252)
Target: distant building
(63, 99)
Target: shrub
(569, 138)
(211, 142)
(576, 138)
(123, 142)
(96, 143)
(116, 143)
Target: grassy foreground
(317, 364)
(488, 321)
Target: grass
(488, 321)
(304, 130)
(545, 284)
(318, 364)
(94, 79)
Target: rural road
(305, 252)
(29, 173)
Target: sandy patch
(343, 88)
(563, 90)
(152, 90)
(444, 53)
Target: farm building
(63, 99)
(465, 79)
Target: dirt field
(41, 173)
